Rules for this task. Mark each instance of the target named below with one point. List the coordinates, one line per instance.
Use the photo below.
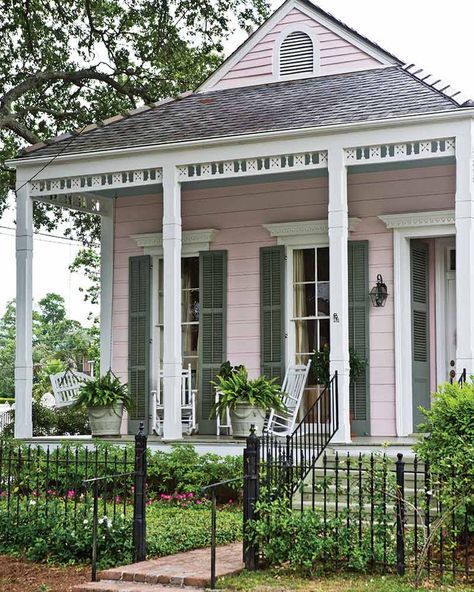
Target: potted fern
(105, 398)
(248, 400)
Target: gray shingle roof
(313, 102)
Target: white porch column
(106, 283)
(24, 302)
(172, 360)
(338, 228)
(465, 249)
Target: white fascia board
(407, 128)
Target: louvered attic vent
(296, 54)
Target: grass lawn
(285, 581)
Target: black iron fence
(372, 511)
(80, 490)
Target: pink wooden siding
(238, 214)
(336, 54)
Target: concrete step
(111, 586)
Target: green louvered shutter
(420, 329)
(139, 290)
(359, 334)
(212, 330)
(272, 310)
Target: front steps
(319, 488)
(169, 574)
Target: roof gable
(338, 48)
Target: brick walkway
(184, 569)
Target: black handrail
(290, 462)
(213, 487)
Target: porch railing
(288, 462)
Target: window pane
(190, 272)
(303, 265)
(161, 346)
(160, 306)
(323, 299)
(190, 340)
(323, 264)
(304, 304)
(305, 333)
(190, 305)
(323, 333)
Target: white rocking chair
(66, 386)
(188, 404)
(282, 423)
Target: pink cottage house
(249, 220)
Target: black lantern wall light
(378, 294)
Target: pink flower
(70, 494)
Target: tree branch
(12, 124)
(34, 81)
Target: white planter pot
(243, 417)
(105, 421)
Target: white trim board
(193, 241)
(306, 233)
(406, 227)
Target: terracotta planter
(242, 418)
(106, 421)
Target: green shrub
(53, 536)
(64, 421)
(180, 470)
(310, 542)
(450, 427)
(183, 469)
(448, 447)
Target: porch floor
(226, 445)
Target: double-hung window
(189, 312)
(310, 314)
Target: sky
(436, 35)
(52, 256)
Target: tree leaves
(66, 63)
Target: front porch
(227, 446)
(183, 278)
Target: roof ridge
(457, 97)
